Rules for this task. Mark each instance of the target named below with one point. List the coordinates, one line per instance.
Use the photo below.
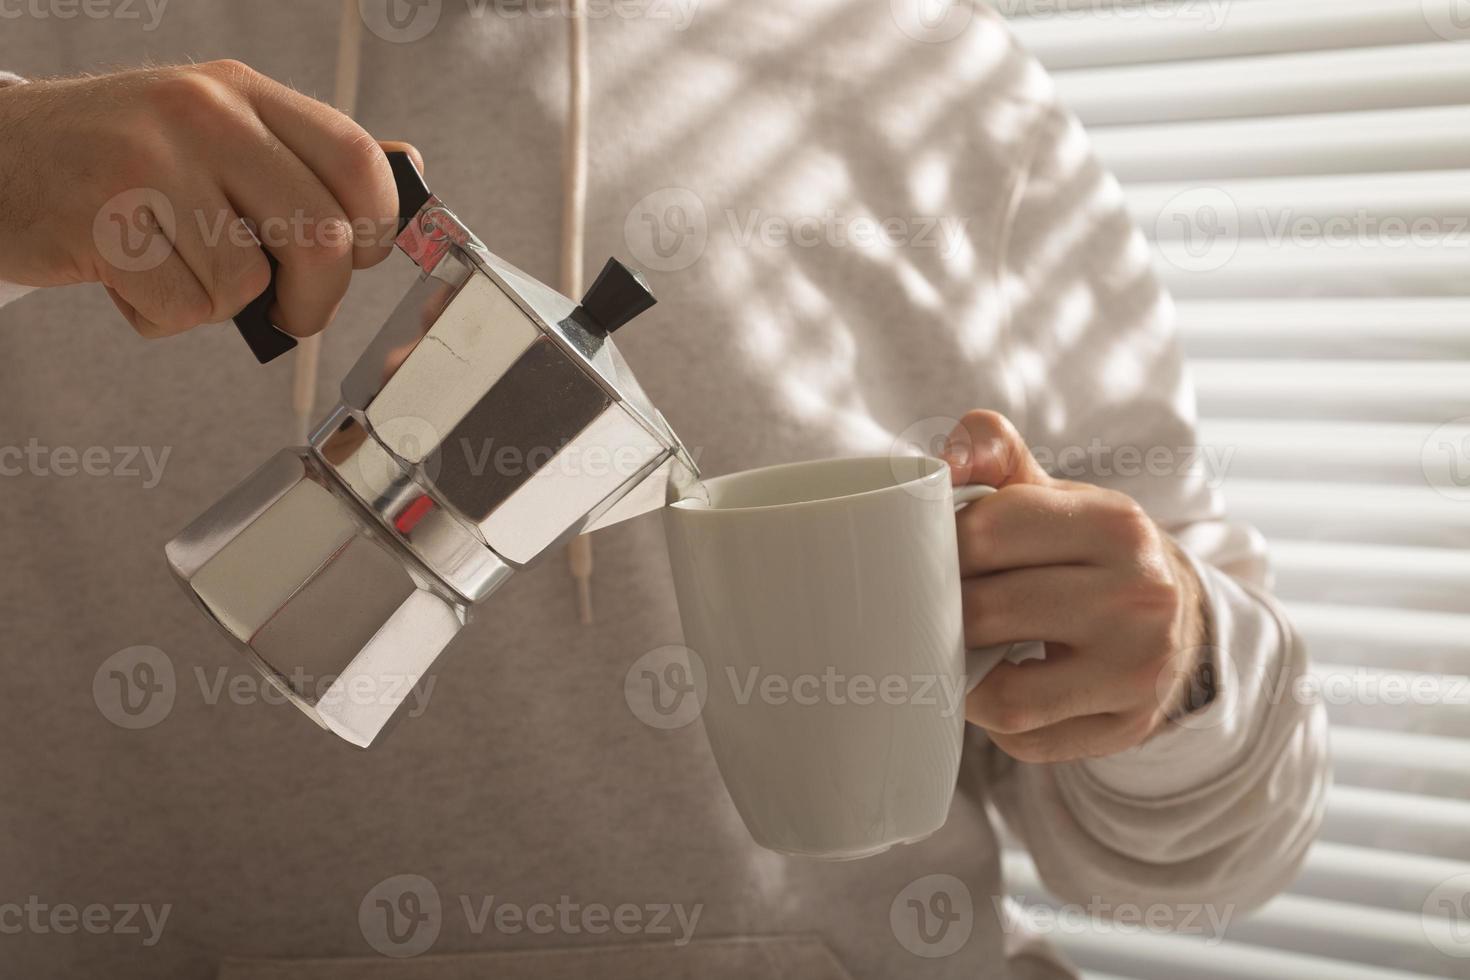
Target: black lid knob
(617, 296)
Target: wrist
(1194, 673)
(28, 165)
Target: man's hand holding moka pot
(169, 185)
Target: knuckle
(254, 274)
(971, 613)
(1129, 523)
(137, 158)
(328, 246)
(365, 165)
(149, 330)
(146, 328)
(1135, 726)
(1000, 709)
(1149, 680)
(230, 70)
(191, 310)
(375, 212)
(976, 527)
(1153, 597)
(181, 309)
(989, 430)
(979, 618)
(240, 278)
(1025, 747)
(992, 435)
(983, 420)
(335, 238)
(191, 99)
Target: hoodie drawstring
(306, 372)
(573, 237)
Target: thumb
(986, 448)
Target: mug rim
(933, 464)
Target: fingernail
(956, 453)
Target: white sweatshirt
(741, 156)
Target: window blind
(1302, 171)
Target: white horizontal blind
(1302, 169)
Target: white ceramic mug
(822, 603)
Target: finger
(395, 146)
(299, 222)
(125, 308)
(986, 448)
(398, 146)
(1056, 603)
(345, 158)
(1086, 737)
(1026, 525)
(221, 252)
(1028, 696)
(159, 301)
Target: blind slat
(1371, 513)
(1430, 393)
(1405, 762)
(1338, 931)
(1152, 957)
(1210, 265)
(1326, 450)
(1432, 579)
(1389, 698)
(1392, 821)
(1374, 635)
(1317, 328)
(1366, 876)
(1335, 143)
(1374, 878)
(1330, 930)
(1429, 206)
(1343, 80)
(1071, 39)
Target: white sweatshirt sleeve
(1220, 807)
(10, 291)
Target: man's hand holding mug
(1085, 570)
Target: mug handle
(979, 663)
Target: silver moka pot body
(491, 419)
